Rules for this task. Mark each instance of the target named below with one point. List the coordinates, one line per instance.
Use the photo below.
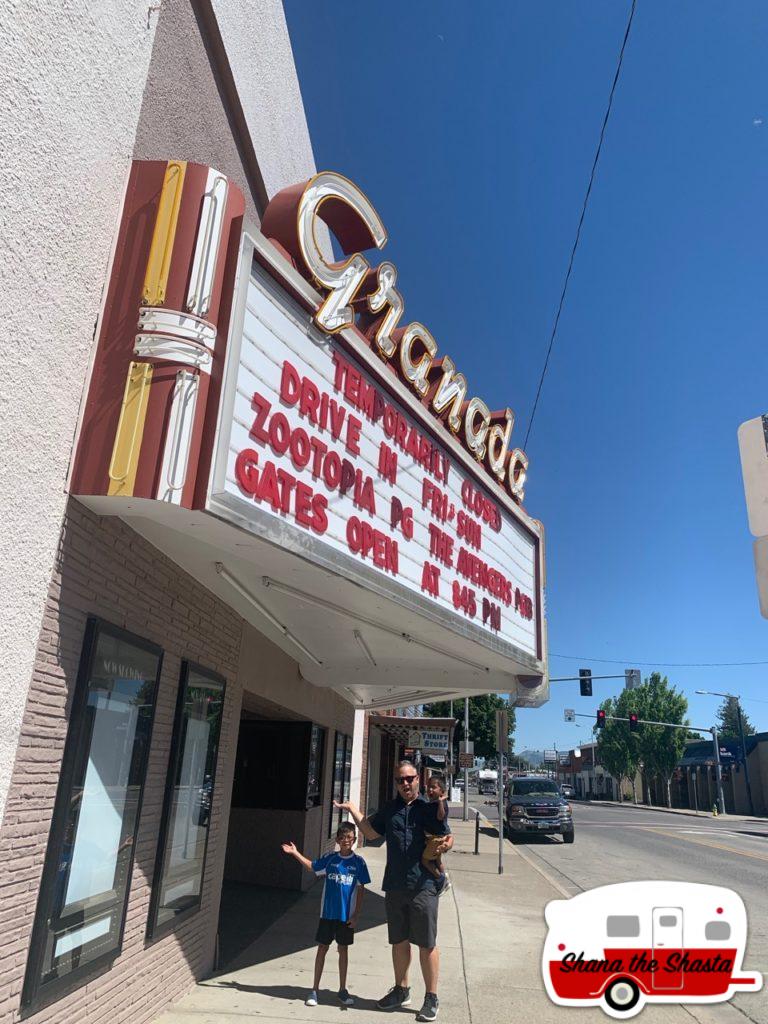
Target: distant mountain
(531, 756)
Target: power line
(581, 220)
(659, 664)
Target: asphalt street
(620, 844)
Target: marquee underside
(348, 634)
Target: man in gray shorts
(411, 893)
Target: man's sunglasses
(406, 778)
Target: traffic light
(585, 682)
(601, 719)
(633, 723)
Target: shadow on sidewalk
(294, 992)
(270, 923)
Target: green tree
(482, 721)
(728, 720)
(617, 747)
(660, 748)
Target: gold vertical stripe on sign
(130, 428)
(159, 263)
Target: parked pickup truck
(536, 805)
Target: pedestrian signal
(585, 682)
(633, 723)
(601, 719)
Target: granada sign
(354, 294)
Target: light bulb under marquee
(487, 441)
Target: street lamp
(732, 696)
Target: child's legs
(432, 867)
(343, 964)
(319, 964)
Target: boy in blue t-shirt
(345, 875)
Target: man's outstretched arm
(362, 822)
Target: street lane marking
(717, 846)
(701, 830)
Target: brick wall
(104, 568)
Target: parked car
(567, 791)
(535, 804)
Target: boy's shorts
(329, 931)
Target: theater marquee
(315, 451)
(270, 419)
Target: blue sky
(473, 129)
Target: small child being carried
(436, 832)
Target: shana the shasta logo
(622, 946)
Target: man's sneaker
(430, 1007)
(345, 998)
(311, 999)
(397, 996)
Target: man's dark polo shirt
(403, 826)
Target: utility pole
(466, 770)
(733, 696)
(500, 789)
(451, 754)
(744, 759)
(718, 772)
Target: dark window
(178, 882)
(534, 787)
(342, 771)
(278, 765)
(86, 878)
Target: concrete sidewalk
(490, 935)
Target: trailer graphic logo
(622, 946)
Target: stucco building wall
(83, 88)
(71, 82)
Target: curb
(680, 811)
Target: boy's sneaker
(430, 1007)
(397, 996)
(444, 885)
(311, 999)
(345, 998)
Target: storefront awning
(416, 733)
